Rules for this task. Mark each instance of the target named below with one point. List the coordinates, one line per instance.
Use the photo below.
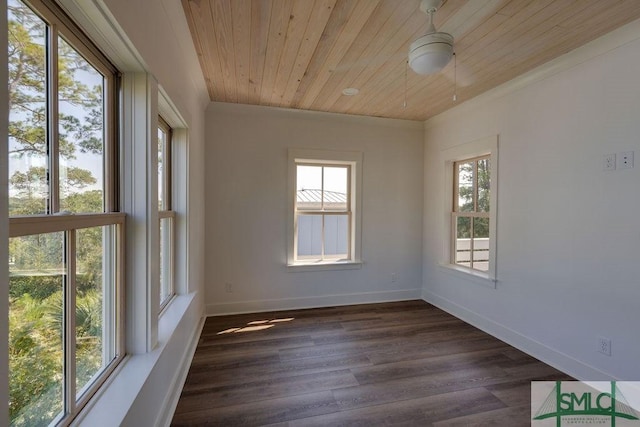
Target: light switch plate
(625, 160)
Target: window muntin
(166, 212)
(470, 215)
(323, 212)
(67, 268)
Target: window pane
(484, 174)
(335, 188)
(336, 236)
(481, 244)
(81, 132)
(28, 169)
(309, 236)
(37, 276)
(162, 140)
(465, 187)
(166, 239)
(95, 298)
(309, 187)
(463, 241)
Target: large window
(65, 248)
(166, 213)
(325, 207)
(323, 212)
(470, 208)
(471, 213)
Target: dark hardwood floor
(403, 363)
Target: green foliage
(80, 124)
(35, 359)
(473, 196)
(89, 315)
(37, 287)
(36, 320)
(31, 188)
(88, 201)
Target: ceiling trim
(250, 109)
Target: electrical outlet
(604, 346)
(609, 162)
(228, 288)
(393, 277)
(625, 160)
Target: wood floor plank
(391, 319)
(518, 391)
(258, 346)
(274, 331)
(387, 332)
(200, 376)
(513, 417)
(204, 359)
(474, 341)
(418, 367)
(435, 350)
(418, 386)
(400, 363)
(264, 412)
(530, 370)
(217, 396)
(397, 346)
(412, 412)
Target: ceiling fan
(430, 53)
(427, 55)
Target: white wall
(161, 36)
(246, 229)
(568, 232)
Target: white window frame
(484, 147)
(166, 212)
(456, 213)
(149, 333)
(326, 158)
(54, 221)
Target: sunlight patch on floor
(256, 325)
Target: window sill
(111, 404)
(466, 273)
(166, 304)
(323, 266)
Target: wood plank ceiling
(302, 53)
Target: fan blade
(376, 60)
(462, 76)
(466, 19)
(469, 16)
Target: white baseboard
(258, 306)
(567, 364)
(177, 382)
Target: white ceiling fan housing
(432, 52)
